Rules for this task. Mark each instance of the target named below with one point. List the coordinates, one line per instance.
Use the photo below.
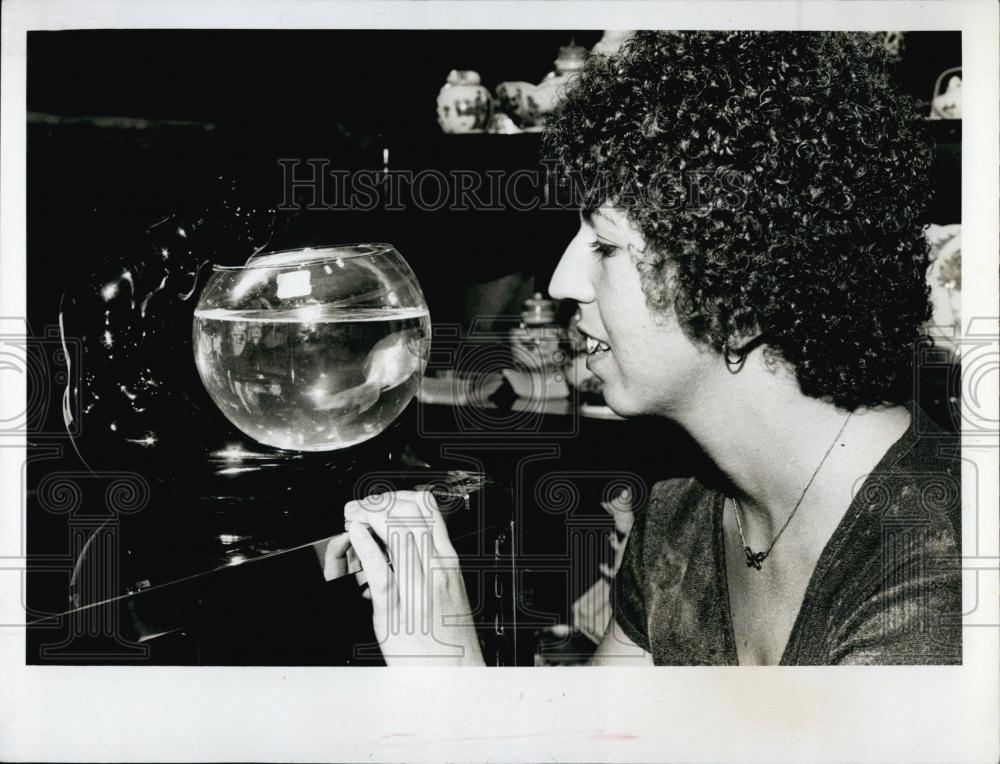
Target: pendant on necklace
(754, 559)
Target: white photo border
(150, 713)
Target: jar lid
(463, 77)
(571, 58)
(538, 310)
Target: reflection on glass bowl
(316, 349)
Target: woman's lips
(596, 348)
(594, 345)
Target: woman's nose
(572, 278)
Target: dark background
(126, 127)
(232, 103)
(205, 104)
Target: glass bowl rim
(323, 253)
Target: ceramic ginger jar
(463, 104)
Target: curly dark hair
(812, 233)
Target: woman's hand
(421, 610)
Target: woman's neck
(768, 438)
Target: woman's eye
(603, 248)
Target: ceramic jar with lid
(463, 104)
(529, 105)
(537, 340)
(571, 59)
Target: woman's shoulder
(893, 585)
(677, 509)
(668, 492)
(922, 482)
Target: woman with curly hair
(751, 264)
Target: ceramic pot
(571, 58)
(611, 42)
(463, 104)
(529, 105)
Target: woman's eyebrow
(608, 223)
(612, 231)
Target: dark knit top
(886, 588)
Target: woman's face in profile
(647, 364)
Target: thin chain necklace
(756, 559)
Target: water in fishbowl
(315, 377)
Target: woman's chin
(620, 404)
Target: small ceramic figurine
(894, 44)
(528, 105)
(945, 280)
(947, 102)
(463, 104)
(538, 335)
(537, 355)
(611, 42)
(571, 59)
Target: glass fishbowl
(313, 349)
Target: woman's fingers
(369, 512)
(353, 563)
(379, 510)
(398, 587)
(354, 566)
(335, 559)
(432, 517)
(410, 509)
(375, 567)
(411, 552)
(399, 537)
(413, 532)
